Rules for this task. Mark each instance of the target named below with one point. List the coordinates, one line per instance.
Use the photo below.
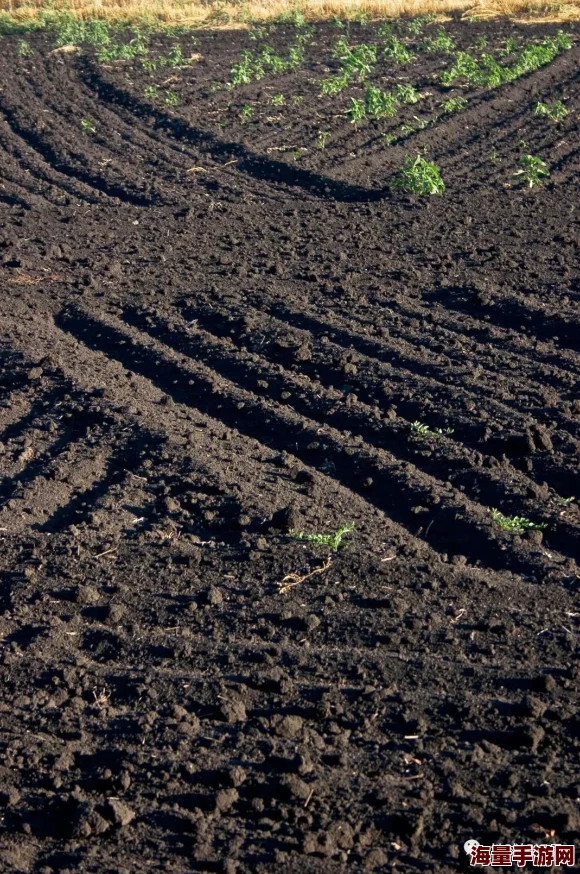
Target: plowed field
(223, 326)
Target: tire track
(113, 493)
(374, 375)
(201, 441)
(375, 475)
(26, 156)
(59, 160)
(452, 462)
(562, 368)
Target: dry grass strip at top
(291, 580)
(218, 14)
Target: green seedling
(295, 17)
(175, 58)
(269, 59)
(481, 42)
(75, 31)
(418, 176)
(254, 67)
(532, 57)
(151, 92)
(463, 67)
(149, 65)
(323, 137)
(87, 126)
(426, 431)
(258, 33)
(112, 51)
(278, 100)
(338, 22)
(297, 100)
(408, 94)
(441, 43)
(357, 110)
(454, 104)
(170, 98)
(532, 170)
(334, 85)
(397, 52)
(409, 129)
(566, 501)
(332, 541)
(25, 50)
(295, 58)
(357, 62)
(389, 138)
(246, 111)
(380, 104)
(242, 73)
(416, 25)
(555, 112)
(510, 48)
(515, 524)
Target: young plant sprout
(441, 43)
(333, 541)
(419, 176)
(532, 170)
(454, 104)
(397, 52)
(171, 98)
(407, 94)
(87, 126)
(515, 524)
(25, 50)
(555, 112)
(357, 111)
(425, 430)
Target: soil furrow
(444, 460)
(362, 470)
(388, 386)
(46, 176)
(56, 158)
(199, 437)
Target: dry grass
(212, 13)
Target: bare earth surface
(209, 340)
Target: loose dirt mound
(210, 342)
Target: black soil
(215, 333)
